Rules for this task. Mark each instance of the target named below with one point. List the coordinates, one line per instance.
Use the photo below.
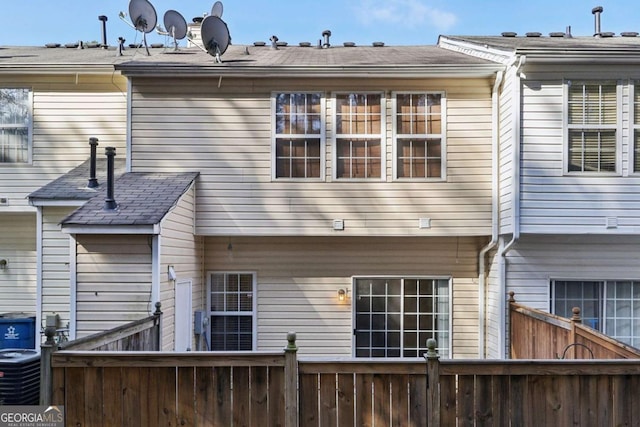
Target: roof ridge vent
(607, 34)
(509, 34)
(557, 34)
(533, 34)
(629, 34)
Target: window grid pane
(419, 135)
(298, 124)
(358, 136)
(395, 317)
(14, 125)
(231, 312)
(586, 295)
(592, 121)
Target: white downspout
(517, 134)
(39, 290)
(495, 194)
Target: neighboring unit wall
(182, 250)
(556, 202)
(67, 111)
(55, 265)
(223, 130)
(18, 248)
(298, 279)
(113, 281)
(536, 260)
(507, 111)
(494, 305)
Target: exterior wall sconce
(3, 264)
(342, 295)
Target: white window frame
(449, 279)
(254, 308)
(443, 135)
(321, 136)
(567, 127)
(383, 136)
(29, 129)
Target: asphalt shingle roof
(142, 199)
(73, 185)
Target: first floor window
(15, 116)
(394, 317)
(231, 310)
(610, 306)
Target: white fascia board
(68, 203)
(501, 56)
(111, 229)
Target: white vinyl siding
(555, 202)
(18, 279)
(55, 265)
(226, 134)
(182, 250)
(508, 101)
(113, 281)
(67, 111)
(535, 260)
(298, 280)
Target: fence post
(433, 384)
(46, 372)
(291, 381)
(575, 319)
(158, 336)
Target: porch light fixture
(342, 295)
(3, 264)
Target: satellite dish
(144, 18)
(176, 26)
(216, 10)
(215, 36)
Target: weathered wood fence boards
(535, 334)
(145, 389)
(362, 393)
(538, 393)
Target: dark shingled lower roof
(72, 186)
(142, 198)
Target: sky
(394, 22)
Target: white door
(183, 324)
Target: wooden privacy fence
(535, 334)
(277, 389)
(141, 335)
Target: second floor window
(359, 147)
(298, 135)
(592, 123)
(419, 135)
(15, 116)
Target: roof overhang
(51, 202)
(39, 69)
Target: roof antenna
(596, 12)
